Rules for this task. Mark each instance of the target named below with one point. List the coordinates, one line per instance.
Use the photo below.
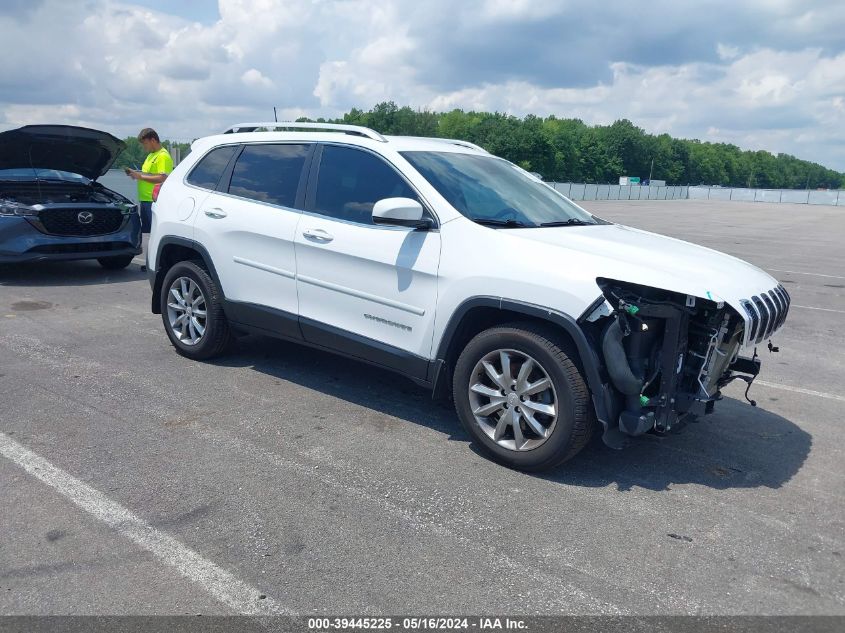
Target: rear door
(248, 226)
(368, 290)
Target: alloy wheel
(513, 400)
(186, 311)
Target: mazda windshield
(26, 173)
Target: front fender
(588, 355)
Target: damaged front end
(667, 355)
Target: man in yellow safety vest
(154, 170)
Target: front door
(368, 290)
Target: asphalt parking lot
(173, 487)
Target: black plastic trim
(35, 256)
(590, 309)
(263, 319)
(311, 181)
(745, 365)
(366, 349)
(156, 277)
(225, 179)
(590, 361)
(425, 224)
(258, 319)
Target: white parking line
(222, 585)
(809, 392)
(795, 305)
(795, 272)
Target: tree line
(569, 150)
(133, 154)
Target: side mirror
(400, 212)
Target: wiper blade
(569, 222)
(516, 224)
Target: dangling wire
(750, 382)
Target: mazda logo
(85, 217)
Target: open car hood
(78, 150)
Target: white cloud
(767, 75)
(781, 102)
(254, 79)
(726, 52)
(518, 9)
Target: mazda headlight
(18, 209)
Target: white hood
(626, 254)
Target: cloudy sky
(764, 74)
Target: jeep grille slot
(773, 315)
(767, 312)
(779, 304)
(764, 318)
(781, 295)
(755, 319)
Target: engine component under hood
(78, 150)
(665, 353)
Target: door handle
(317, 234)
(215, 213)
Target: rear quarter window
(207, 172)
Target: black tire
(574, 425)
(217, 335)
(115, 263)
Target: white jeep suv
(458, 269)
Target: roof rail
(465, 144)
(451, 141)
(305, 125)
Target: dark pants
(146, 216)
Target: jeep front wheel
(521, 397)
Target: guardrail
(830, 197)
(582, 191)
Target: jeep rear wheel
(192, 312)
(521, 397)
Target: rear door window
(269, 173)
(208, 170)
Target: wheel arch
(480, 313)
(171, 251)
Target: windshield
(27, 173)
(493, 191)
